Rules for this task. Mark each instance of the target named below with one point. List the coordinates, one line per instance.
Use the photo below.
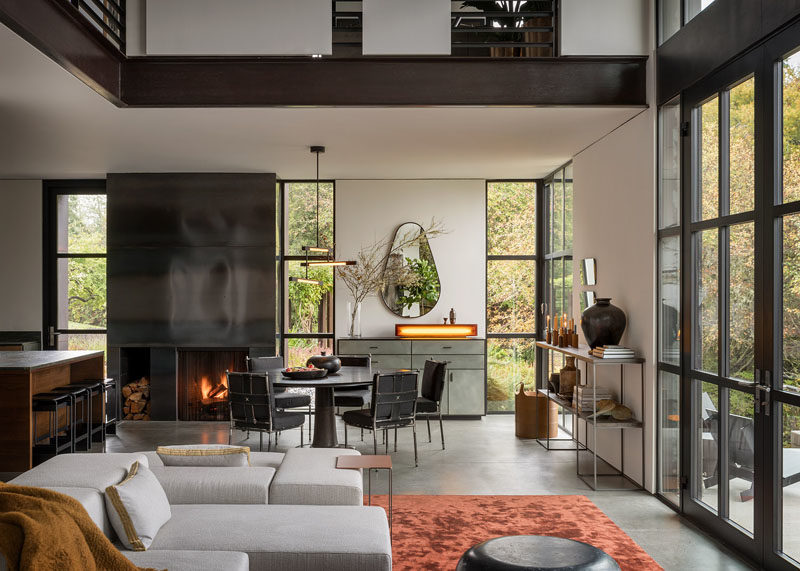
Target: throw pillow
(218, 455)
(137, 508)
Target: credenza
(465, 385)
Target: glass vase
(354, 319)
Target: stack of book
(586, 396)
(613, 352)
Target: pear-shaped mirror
(411, 279)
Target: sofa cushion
(96, 471)
(137, 508)
(308, 476)
(218, 455)
(190, 560)
(289, 538)
(262, 459)
(195, 485)
(94, 503)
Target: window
(669, 300)
(672, 14)
(511, 290)
(308, 309)
(558, 252)
(75, 250)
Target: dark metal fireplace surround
(191, 284)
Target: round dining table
(324, 418)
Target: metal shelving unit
(592, 478)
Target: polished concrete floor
(482, 457)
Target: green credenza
(465, 387)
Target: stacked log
(137, 400)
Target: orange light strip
(328, 263)
(432, 330)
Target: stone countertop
(14, 361)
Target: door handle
(53, 334)
(765, 389)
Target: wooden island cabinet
(25, 373)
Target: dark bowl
(305, 375)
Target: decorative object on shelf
(568, 378)
(603, 323)
(331, 363)
(613, 352)
(304, 373)
(553, 382)
(589, 271)
(548, 333)
(587, 299)
(354, 319)
(610, 407)
(371, 272)
(452, 316)
(445, 321)
(317, 248)
(586, 397)
(433, 330)
(412, 285)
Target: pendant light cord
(317, 198)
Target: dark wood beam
(254, 82)
(55, 29)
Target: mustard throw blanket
(42, 529)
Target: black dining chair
(284, 399)
(430, 399)
(253, 407)
(358, 396)
(394, 405)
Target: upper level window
(672, 14)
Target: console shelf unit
(592, 479)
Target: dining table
(324, 417)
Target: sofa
(287, 512)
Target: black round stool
(535, 553)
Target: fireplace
(202, 383)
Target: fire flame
(214, 391)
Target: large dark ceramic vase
(329, 362)
(603, 323)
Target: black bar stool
(97, 399)
(111, 405)
(52, 442)
(80, 397)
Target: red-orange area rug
(432, 532)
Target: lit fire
(214, 391)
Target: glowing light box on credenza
(434, 331)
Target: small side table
(370, 462)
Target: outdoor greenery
(423, 286)
(511, 290)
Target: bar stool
(52, 403)
(80, 397)
(97, 399)
(111, 405)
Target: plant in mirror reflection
(372, 271)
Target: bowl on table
(304, 373)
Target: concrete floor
(482, 457)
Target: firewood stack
(137, 400)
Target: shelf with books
(583, 353)
(602, 422)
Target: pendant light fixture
(317, 249)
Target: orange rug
(432, 532)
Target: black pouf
(535, 553)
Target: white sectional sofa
(292, 512)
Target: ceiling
(54, 126)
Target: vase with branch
(371, 272)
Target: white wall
(21, 255)
(232, 27)
(607, 27)
(368, 210)
(614, 222)
(410, 27)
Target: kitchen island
(25, 373)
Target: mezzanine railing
(106, 16)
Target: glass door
(782, 213)
(719, 415)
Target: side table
(370, 462)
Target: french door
(740, 348)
